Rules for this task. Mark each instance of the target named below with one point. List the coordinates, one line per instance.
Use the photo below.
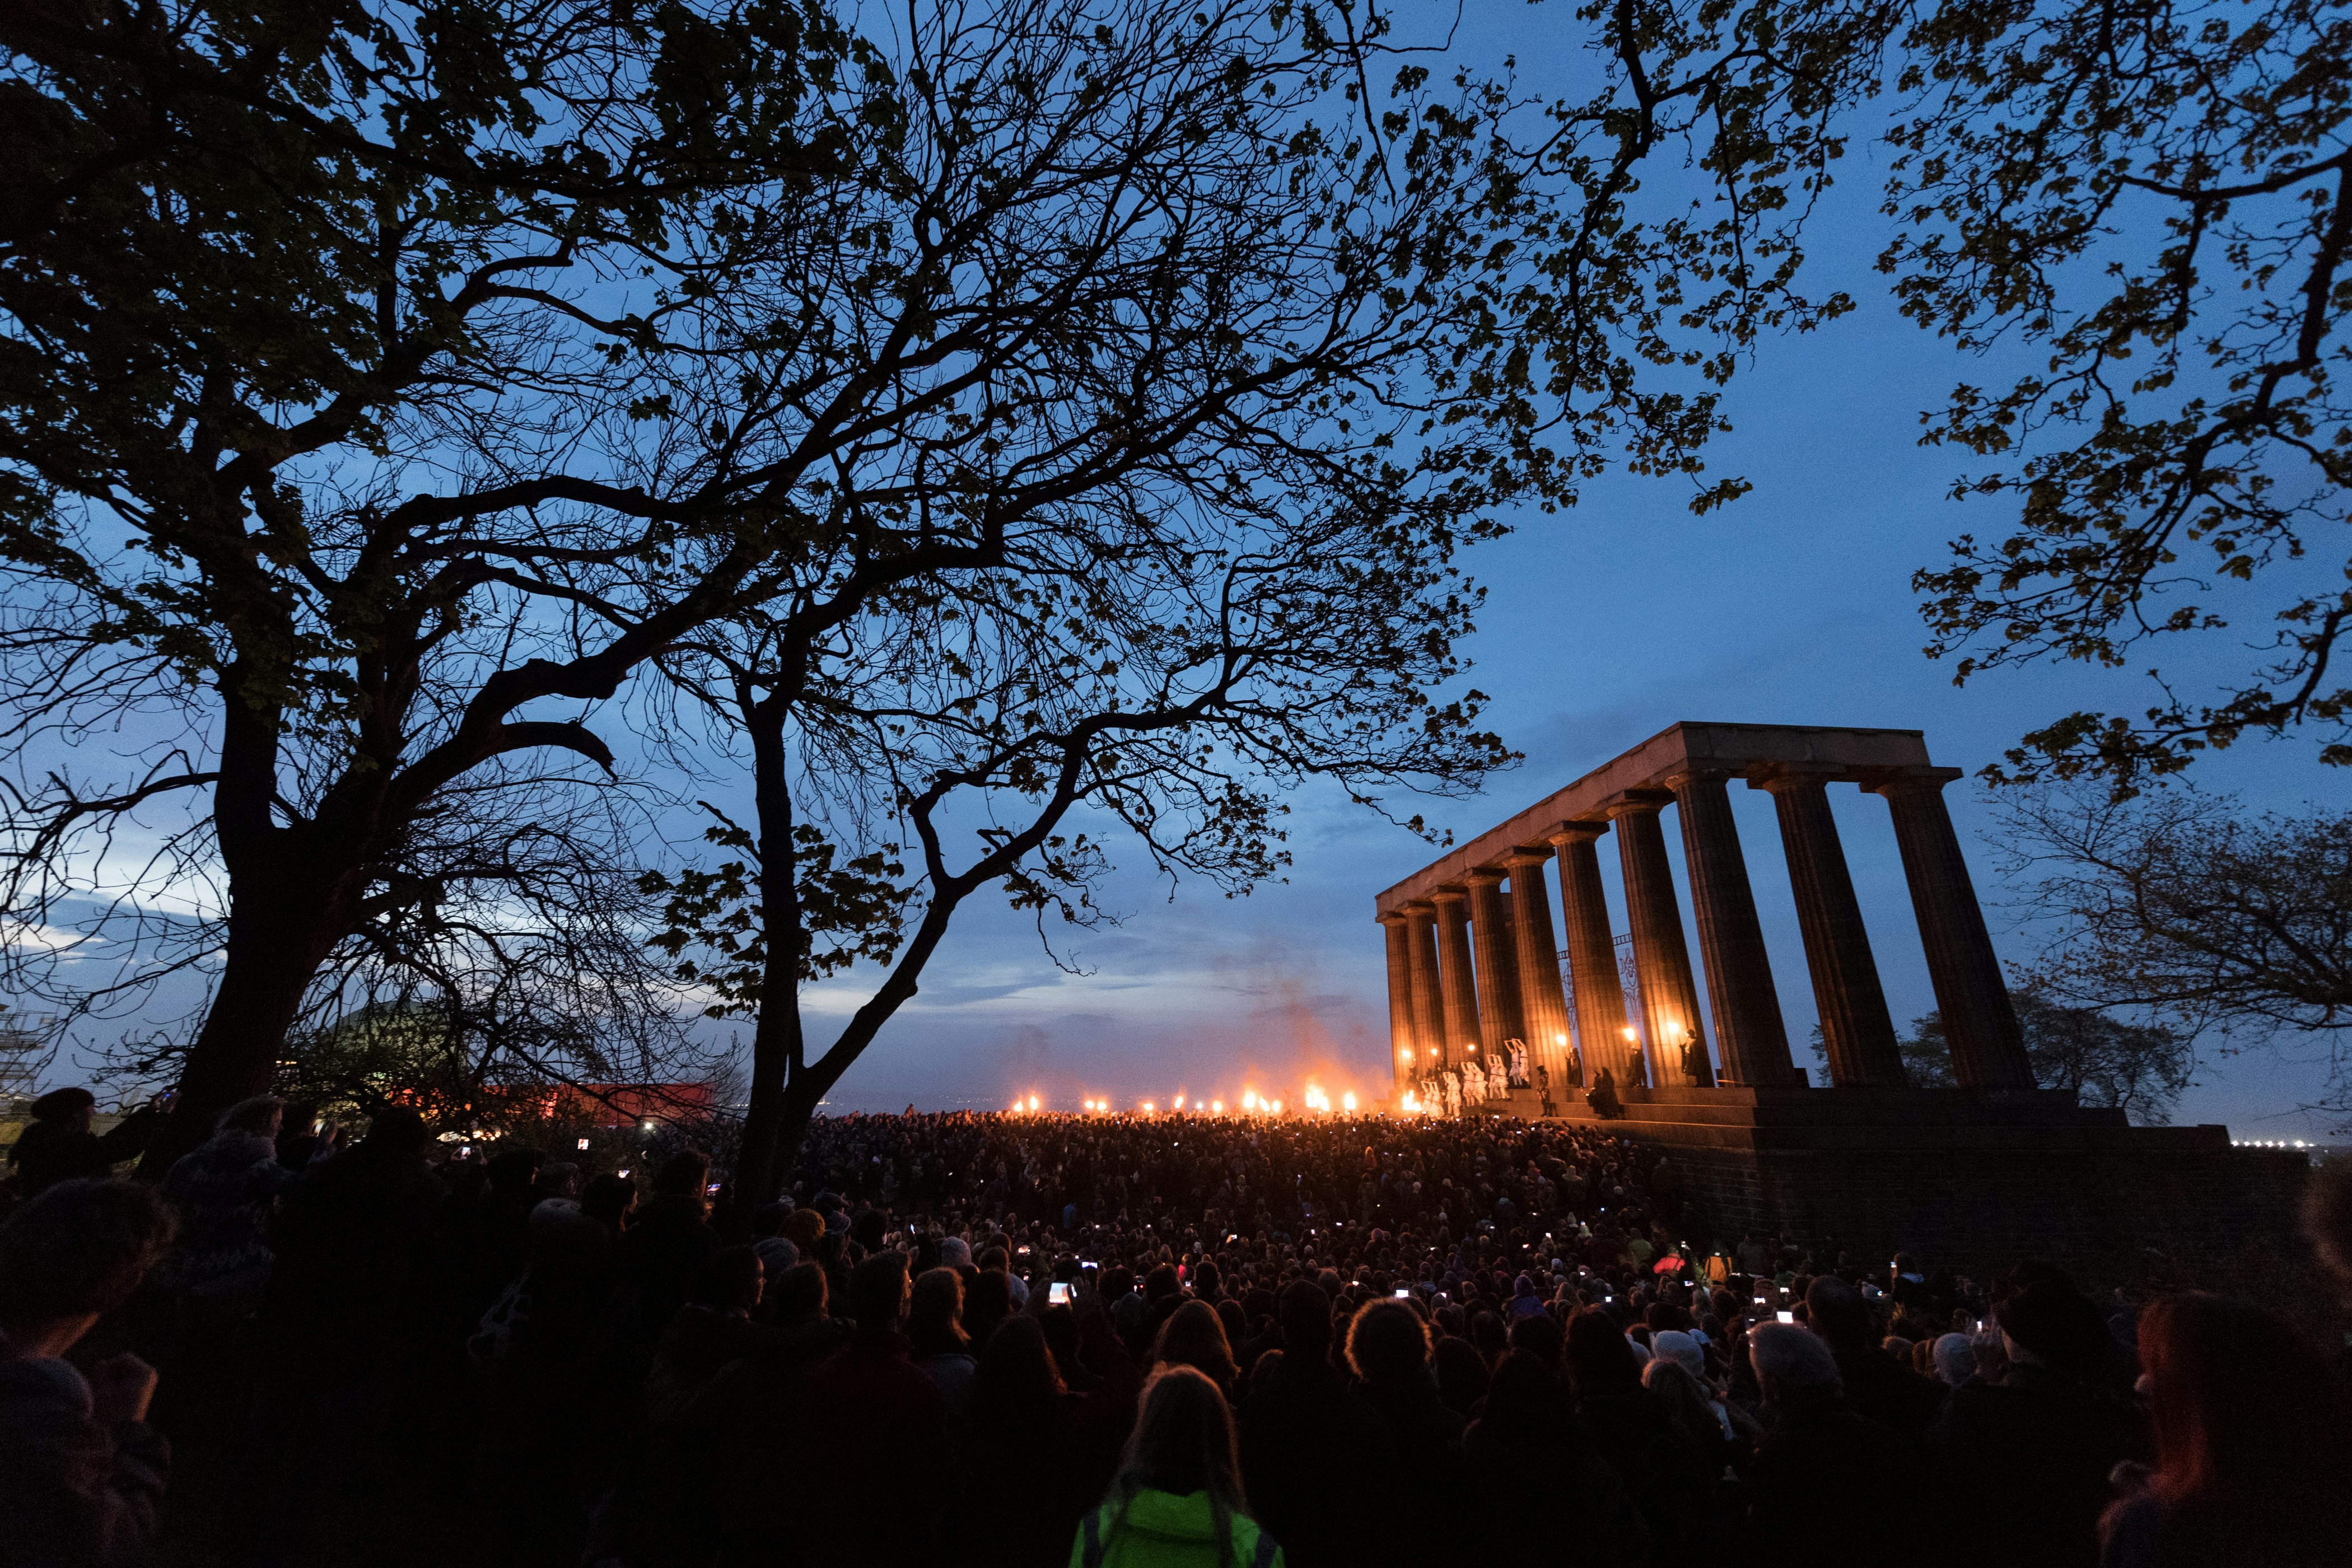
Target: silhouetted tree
(351, 354)
(2190, 908)
(2151, 200)
(1193, 515)
(2140, 1068)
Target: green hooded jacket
(1164, 1530)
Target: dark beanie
(2058, 1323)
(59, 1104)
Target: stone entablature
(1738, 747)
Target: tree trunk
(281, 927)
(778, 1050)
(763, 1160)
(801, 1098)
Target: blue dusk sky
(1602, 627)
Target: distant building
(598, 1104)
(24, 1052)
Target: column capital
(1568, 833)
(1449, 893)
(1784, 776)
(1891, 782)
(1526, 855)
(1419, 910)
(1391, 917)
(1490, 876)
(1639, 803)
(1699, 772)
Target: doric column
(1749, 1034)
(1853, 1007)
(1591, 954)
(1542, 1007)
(1988, 1049)
(1403, 1057)
(1670, 1016)
(1498, 961)
(1455, 981)
(1428, 1011)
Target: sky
(1602, 627)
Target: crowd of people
(1123, 1340)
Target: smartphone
(1058, 1293)
(1401, 1295)
(1786, 1317)
(1089, 1268)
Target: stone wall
(1978, 1181)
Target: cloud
(46, 938)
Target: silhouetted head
(878, 1292)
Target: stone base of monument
(1969, 1180)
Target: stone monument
(1973, 1177)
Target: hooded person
(1824, 1485)
(2026, 1461)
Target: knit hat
(1793, 1354)
(2058, 1323)
(777, 1253)
(59, 1104)
(1674, 1345)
